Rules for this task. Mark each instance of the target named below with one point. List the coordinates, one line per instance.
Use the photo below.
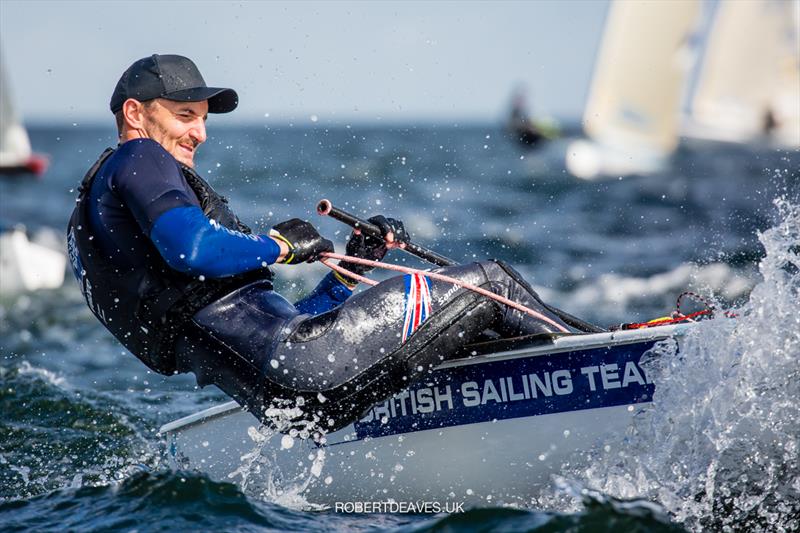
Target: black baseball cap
(174, 78)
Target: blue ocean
(719, 451)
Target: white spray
(720, 448)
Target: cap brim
(219, 100)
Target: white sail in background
(749, 81)
(15, 146)
(640, 73)
(632, 113)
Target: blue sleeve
(150, 182)
(328, 294)
(190, 242)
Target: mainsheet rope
(433, 275)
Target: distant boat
(748, 82)
(631, 117)
(525, 130)
(16, 156)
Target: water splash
(260, 473)
(721, 446)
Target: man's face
(180, 127)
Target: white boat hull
(476, 443)
(28, 266)
(590, 160)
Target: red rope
(699, 298)
(664, 321)
(677, 316)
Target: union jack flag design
(418, 303)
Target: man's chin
(188, 161)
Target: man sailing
(169, 269)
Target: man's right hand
(373, 248)
(303, 241)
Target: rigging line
(433, 275)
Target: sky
(327, 62)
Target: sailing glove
(373, 248)
(304, 242)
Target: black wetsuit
(339, 353)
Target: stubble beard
(158, 133)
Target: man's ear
(133, 114)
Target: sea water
(718, 450)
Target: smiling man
(150, 241)
(178, 279)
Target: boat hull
(28, 266)
(489, 429)
(590, 160)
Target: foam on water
(614, 291)
(25, 368)
(720, 447)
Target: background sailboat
(744, 89)
(25, 265)
(16, 156)
(748, 84)
(631, 114)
